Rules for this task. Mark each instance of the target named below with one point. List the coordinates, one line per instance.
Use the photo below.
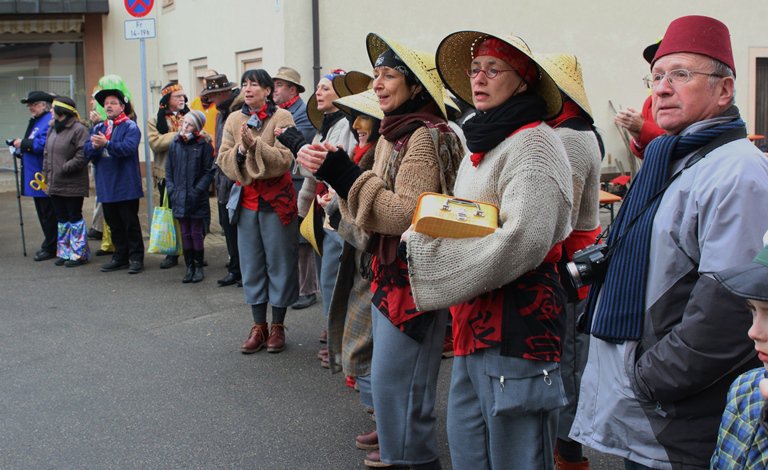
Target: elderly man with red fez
(667, 339)
(161, 131)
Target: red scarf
(477, 157)
(570, 110)
(359, 152)
(111, 124)
(290, 102)
(261, 113)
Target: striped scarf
(619, 316)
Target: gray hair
(720, 70)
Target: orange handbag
(439, 215)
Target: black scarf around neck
(328, 121)
(487, 130)
(59, 126)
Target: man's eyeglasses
(490, 73)
(674, 77)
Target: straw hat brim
(357, 82)
(454, 56)
(314, 115)
(364, 103)
(420, 63)
(565, 70)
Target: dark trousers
(48, 223)
(123, 220)
(230, 235)
(192, 233)
(67, 209)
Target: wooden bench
(607, 200)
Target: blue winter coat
(32, 146)
(188, 174)
(118, 177)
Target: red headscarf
(517, 60)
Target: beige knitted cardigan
(268, 158)
(528, 177)
(584, 156)
(373, 207)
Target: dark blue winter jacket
(188, 174)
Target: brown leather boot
(276, 341)
(256, 339)
(562, 464)
(369, 441)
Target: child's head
(750, 281)
(193, 122)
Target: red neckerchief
(570, 110)
(359, 152)
(290, 102)
(111, 124)
(261, 113)
(476, 158)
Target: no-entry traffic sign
(139, 8)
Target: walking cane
(18, 200)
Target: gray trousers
(572, 364)
(404, 384)
(268, 258)
(514, 438)
(328, 265)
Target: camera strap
(724, 138)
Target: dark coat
(188, 173)
(64, 164)
(224, 184)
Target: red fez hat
(700, 35)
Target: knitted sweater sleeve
(372, 207)
(534, 193)
(227, 157)
(584, 157)
(269, 158)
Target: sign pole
(144, 106)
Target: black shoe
(228, 280)
(60, 261)
(169, 262)
(304, 302)
(73, 263)
(113, 265)
(103, 252)
(135, 267)
(189, 274)
(240, 283)
(43, 255)
(94, 234)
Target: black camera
(9, 142)
(588, 265)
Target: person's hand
(279, 131)
(326, 198)
(312, 156)
(17, 143)
(98, 140)
(248, 140)
(94, 117)
(631, 120)
(764, 388)
(407, 234)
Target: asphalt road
(117, 371)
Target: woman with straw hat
(65, 171)
(504, 288)
(350, 337)
(408, 341)
(264, 203)
(574, 126)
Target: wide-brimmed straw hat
(352, 83)
(315, 115)
(364, 103)
(420, 63)
(565, 70)
(454, 56)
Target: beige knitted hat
(565, 70)
(366, 103)
(454, 56)
(420, 63)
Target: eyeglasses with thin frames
(490, 73)
(674, 77)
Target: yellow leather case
(438, 215)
